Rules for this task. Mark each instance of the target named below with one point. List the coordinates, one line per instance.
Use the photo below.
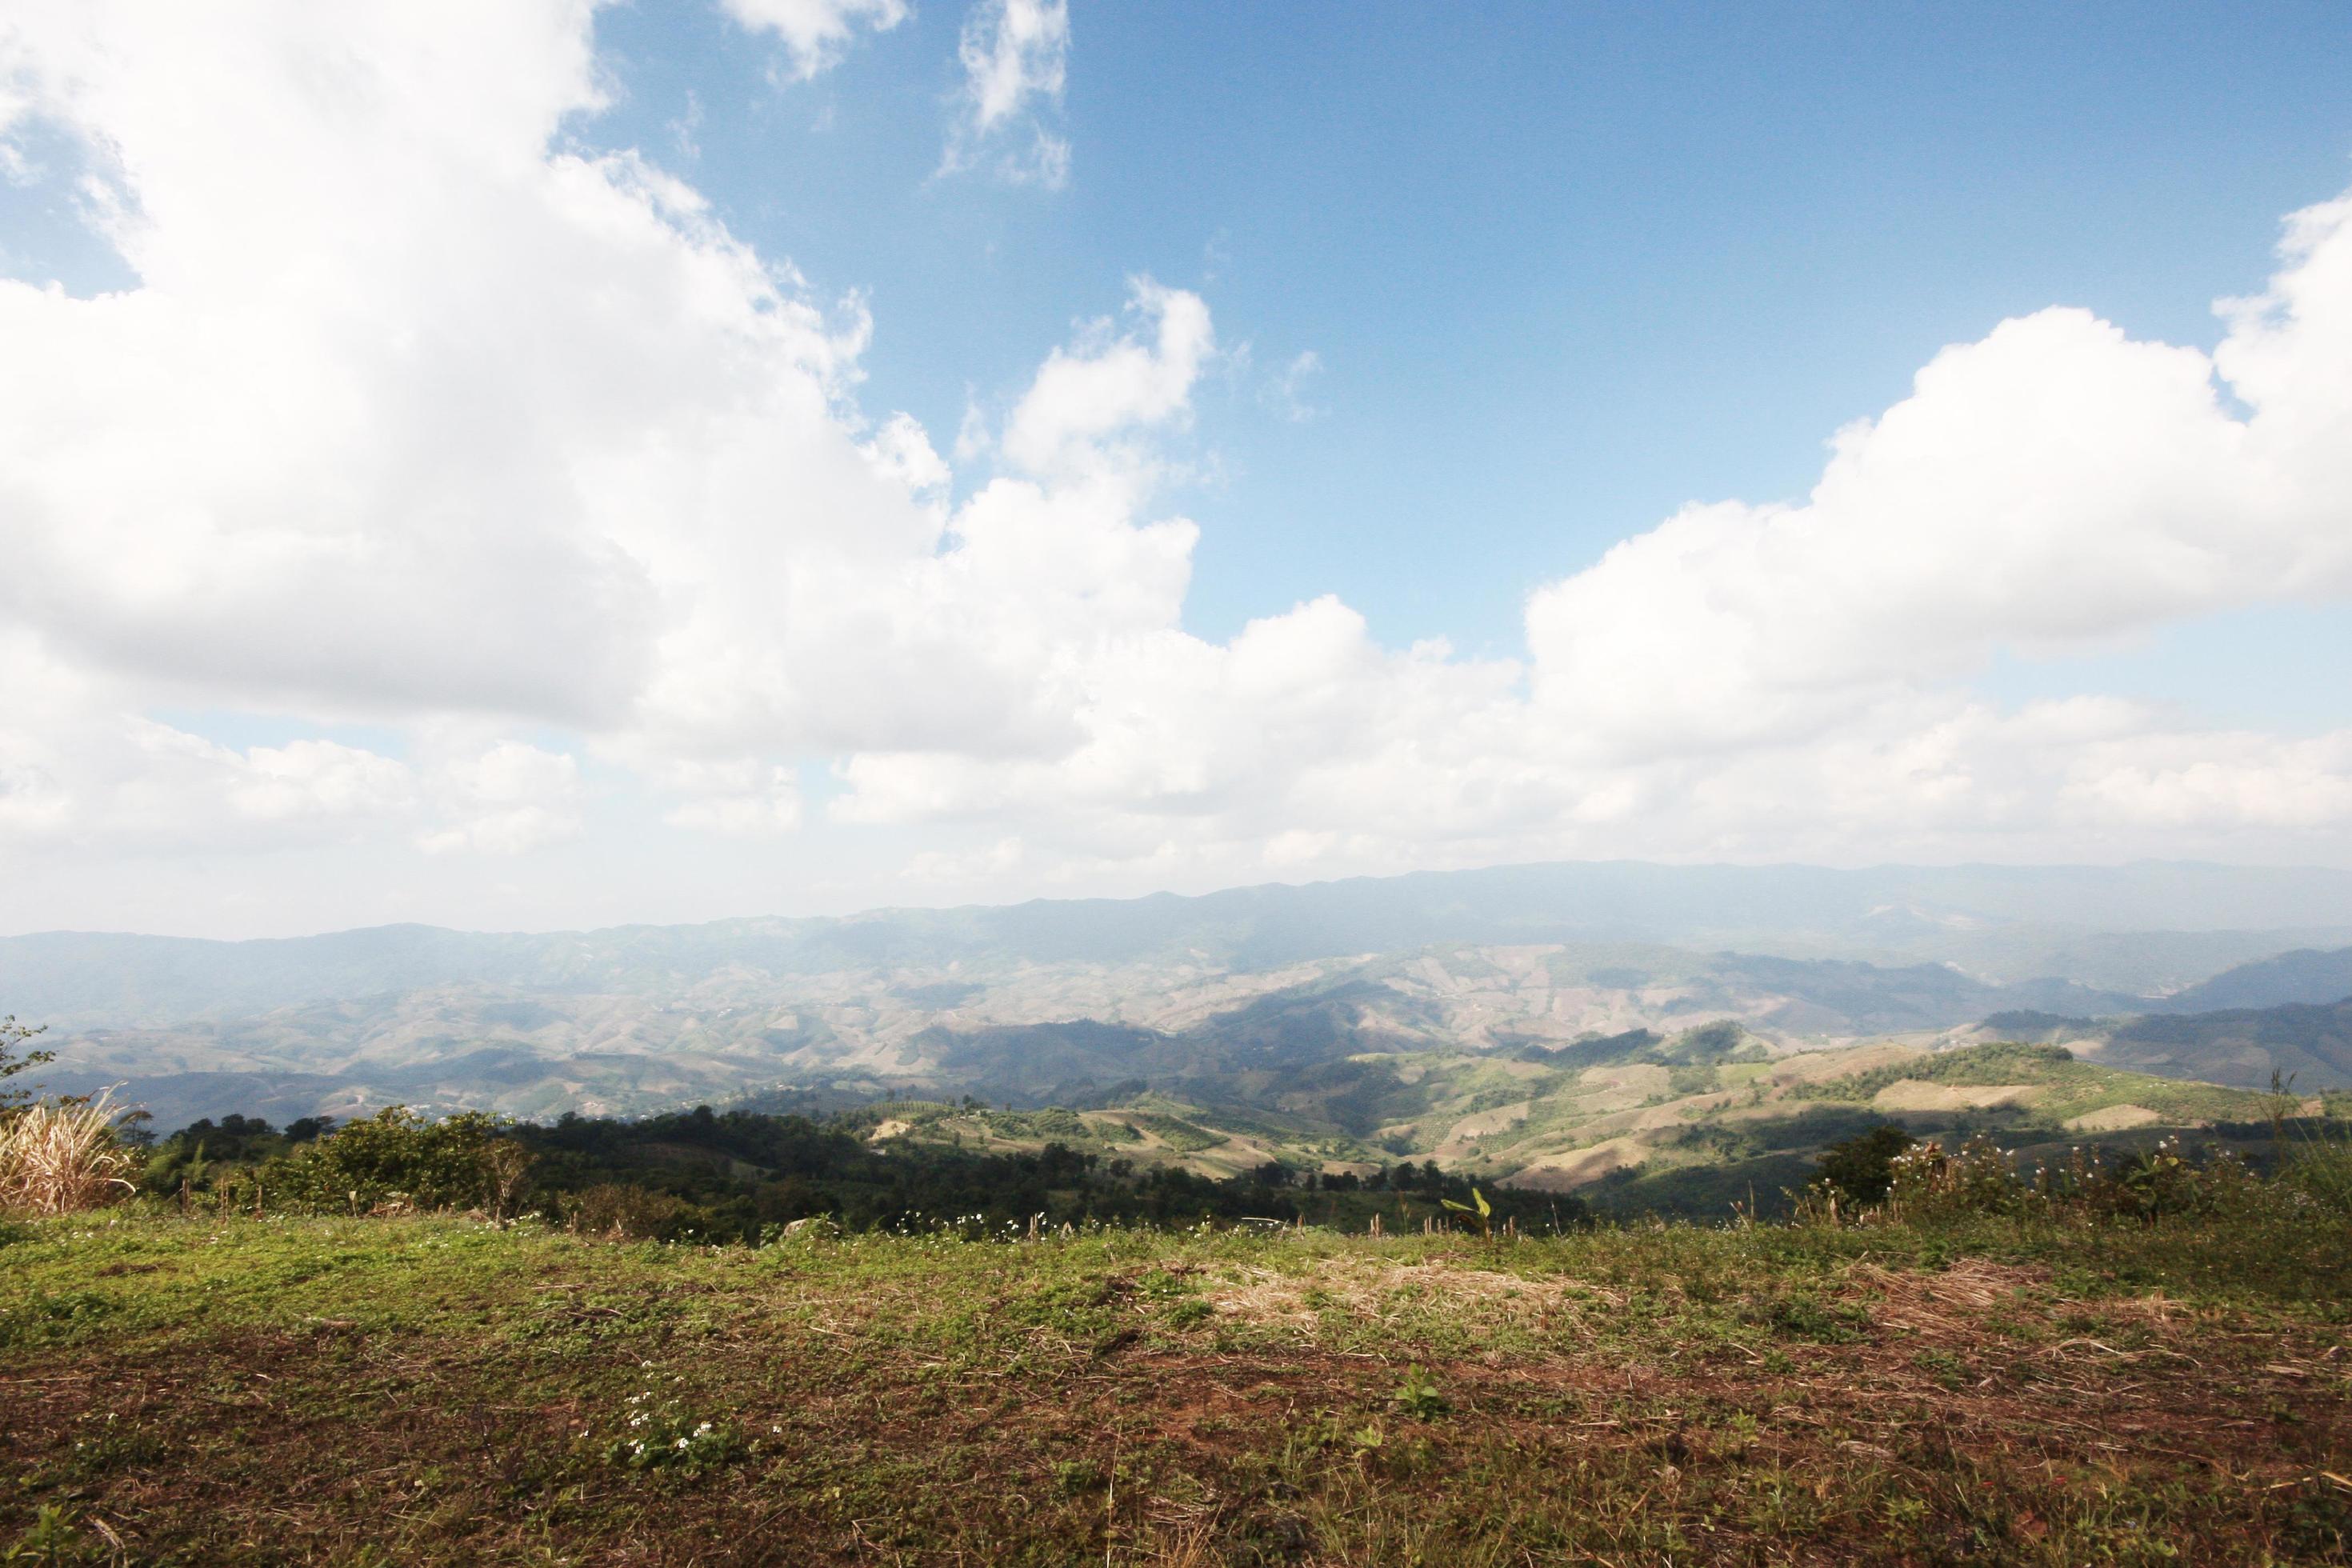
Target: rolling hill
(1206, 999)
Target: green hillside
(2246, 1046)
(1688, 1125)
(1709, 1099)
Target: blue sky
(435, 514)
(1564, 269)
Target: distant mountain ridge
(1056, 1000)
(1034, 1034)
(2006, 923)
(2306, 1044)
(2308, 976)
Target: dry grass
(434, 1391)
(57, 1158)
(1369, 1293)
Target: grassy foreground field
(439, 1390)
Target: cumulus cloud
(1016, 56)
(81, 769)
(816, 33)
(1755, 680)
(510, 798)
(419, 417)
(2049, 488)
(412, 413)
(1088, 396)
(743, 799)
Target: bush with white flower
(661, 1435)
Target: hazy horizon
(1758, 869)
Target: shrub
(621, 1212)
(2145, 1186)
(395, 1159)
(2152, 1183)
(1862, 1169)
(2321, 1169)
(56, 1156)
(1928, 1184)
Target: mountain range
(1066, 1002)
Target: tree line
(743, 1175)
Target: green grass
(2069, 1087)
(1179, 1134)
(441, 1391)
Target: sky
(548, 465)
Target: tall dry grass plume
(63, 1156)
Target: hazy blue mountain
(2009, 923)
(2307, 975)
(2242, 1046)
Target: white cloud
(1110, 386)
(1284, 392)
(1015, 57)
(418, 418)
(2050, 488)
(319, 778)
(816, 32)
(980, 868)
(743, 799)
(1774, 681)
(506, 800)
(80, 771)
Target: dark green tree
(1862, 1169)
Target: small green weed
(53, 1540)
(1945, 1367)
(1803, 1317)
(1073, 1478)
(1189, 1311)
(1418, 1397)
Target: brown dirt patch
(2112, 1119)
(1917, 1094)
(1566, 1171)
